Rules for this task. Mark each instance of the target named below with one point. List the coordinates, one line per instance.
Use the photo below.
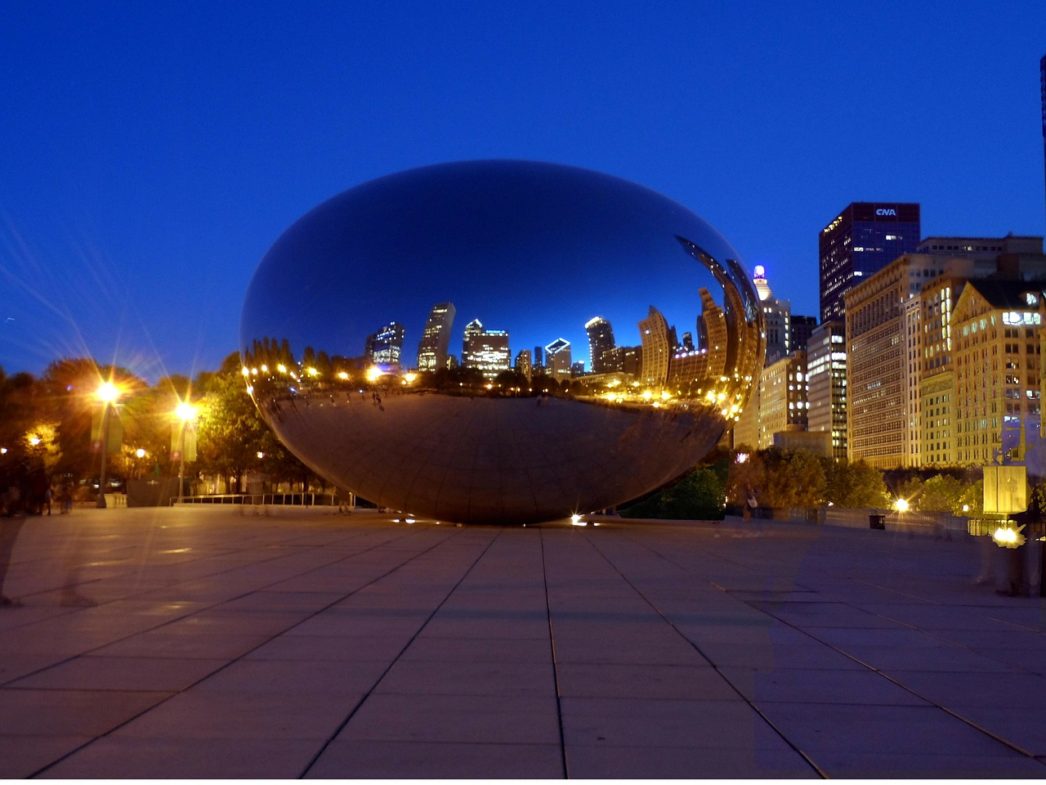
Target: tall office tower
(882, 336)
(802, 329)
(860, 241)
(900, 337)
(996, 325)
(653, 332)
(484, 349)
(782, 398)
(523, 364)
(777, 404)
(435, 338)
(557, 359)
(687, 342)
(577, 369)
(826, 384)
(600, 343)
(385, 347)
(539, 360)
(936, 372)
(631, 360)
(777, 317)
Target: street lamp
(108, 393)
(186, 413)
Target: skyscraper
(385, 347)
(557, 359)
(600, 342)
(826, 384)
(860, 241)
(484, 349)
(539, 360)
(777, 317)
(435, 338)
(523, 364)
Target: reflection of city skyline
(662, 354)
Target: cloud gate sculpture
(500, 341)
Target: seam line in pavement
(555, 661)
(697, 648)
(268, 640)
(384, 673)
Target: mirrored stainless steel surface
(416, 340)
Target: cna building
(861, 240)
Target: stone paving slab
(302, 643)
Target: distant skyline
(154, 152)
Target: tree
(854, 485)
(793, 479)
(697, 495)
(939, 494)
(230, 433)
(972, 497)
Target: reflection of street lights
(186, 413)
(108, 393)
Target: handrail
(289, 499)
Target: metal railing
(287, 499)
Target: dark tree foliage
(697, 495)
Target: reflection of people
(750, 504)
(65, 498)
(9, 529)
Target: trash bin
(877, 521)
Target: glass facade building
(860, 241)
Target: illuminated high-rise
(826, 384)
(777, 318)
(600, 343)
(435, 338)
(860, 241)
(384, 348)
(523, 364)
(486, 350)
(557, 359)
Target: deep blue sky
(152, 152)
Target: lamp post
(108, 393)
(186, 413)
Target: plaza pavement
(226, 643)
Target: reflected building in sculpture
(385, 347)
(654, 333)
(712, 334)
(486, 350)
(435, 338)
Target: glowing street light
(108, 394)
(186, 414)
